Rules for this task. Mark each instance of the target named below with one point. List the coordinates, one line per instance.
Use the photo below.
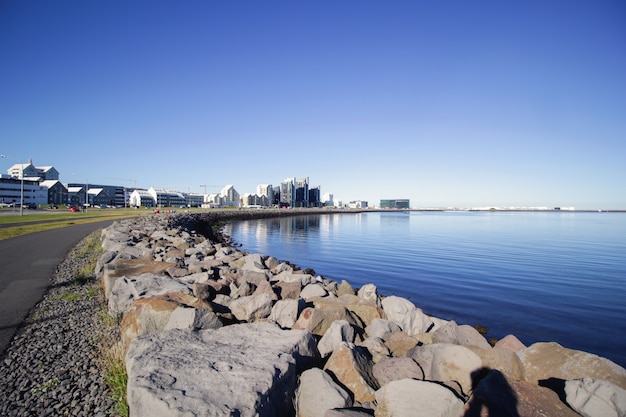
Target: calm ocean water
(541, 276)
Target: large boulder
(317, 393)
(319, 320)
(153, 314)
(550, 360)
(127, 289)
(510, 342)
(410, 398)
(446, 362)
(243, 370)
(498, 395)
(392, 369)
(252, 308)
(285, 312)
(595, 398)
(381, 328)
(464, 335)
(128, 268)
(365, 309)
(503, 360)
(352, 367)
(339, 331)
(411, 319)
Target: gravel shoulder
(51, 367)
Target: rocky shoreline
(213, 331)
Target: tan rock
(551, 360)
(498, 395)
(399, 343)
(345, 289)
(318, 321)
(288, 290)
(353, 369)
(131, 267)
(503, 360)
(365, 310)
(511, 343)
(447, 362)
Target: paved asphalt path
(27, 263)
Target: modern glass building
(395, 204)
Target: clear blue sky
(448, 103)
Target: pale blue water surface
(542, 276)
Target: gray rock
(313, 290)
(317, 393)
(376, 347)
(410, 398)
(369, 293)
(339, 331)
(193, 319)
(381, 328)
(285, 312)
(392, 369)
(252, 308)
(404, 313)
(243, 370)
(595, 398)
(127, 289)
(447, 362)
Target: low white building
(213, 201)
(359, 204)
(141, 198)
(167, 198)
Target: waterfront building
(288, 192)
(315, 199)
(57, 192)
(30, 171)
(141, 198)
(167, 198)
(12, 189)
(194, 200)
(230, 195)
(254, 200)
(328, 200)
(213, 201)
(108, 195)
(358, 204)
(395, 204)
(267, 191)
(276, 196)
(76, 194)
(302, 193)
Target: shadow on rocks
(492, 395)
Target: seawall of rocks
(213, 331)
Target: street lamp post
(21, 187)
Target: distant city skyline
(447, 104)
